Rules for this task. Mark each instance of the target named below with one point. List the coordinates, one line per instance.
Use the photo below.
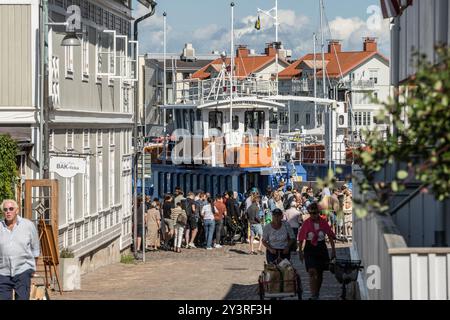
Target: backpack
(182, 219)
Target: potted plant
(69, 271)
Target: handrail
(406, 200)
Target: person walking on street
(179, 217)
(208, 211)
(277, 238)
(193, 214)
(313, 249)
(169, 223)
(255, 224)
(19, 251)
(219, 217)
(153, 225)
(293, 217)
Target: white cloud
(295, 32)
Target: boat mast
(329, 144)
(276, 44)
(315, 80)
(232, 66)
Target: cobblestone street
(195, 274)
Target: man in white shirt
(19, 250)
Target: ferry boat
(223, 135)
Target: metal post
(276, 40)
(289, 116)
(135, 129)
(43, 99)
(143, 203)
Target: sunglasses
(9, 209)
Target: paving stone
(194, 274)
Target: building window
(85, 55)
(99, 138)
(112, 177)
(99, 181)
(341, 120)
(69, 140)
(69, 199)
(369, 120)
(68, 54)
(86, 181)
(296, 118)
(86, 139)
(374, 76)
(375, 95)
(308, 119)
(51, 143)
(359, 115)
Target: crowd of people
(283, 220)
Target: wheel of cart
(264, 288)
(345, 271)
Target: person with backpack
(179, 217)
(287, 198)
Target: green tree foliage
(8, 167)
(422, 117)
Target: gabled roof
(244, 66)
(347, 61)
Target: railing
(360, 84)
(195, 90)
(399, 272)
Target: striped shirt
(18, 247)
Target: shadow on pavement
(239, 251)
(242, 292)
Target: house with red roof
(259, 66)
(351, 76)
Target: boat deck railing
(203, 91)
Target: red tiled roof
(244, 66)
(347, 61)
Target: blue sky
(206, 24)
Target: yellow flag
(258, 24)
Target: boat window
(254, 120)
(178, 119)
(235, 125)
(186, 119)
(191, 120)
(215, 120)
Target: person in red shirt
(313, 248)
(219, 217)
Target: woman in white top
(208, 219)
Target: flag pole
(232, 66)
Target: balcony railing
(360, 84)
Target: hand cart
(295, 284)
(345, 271)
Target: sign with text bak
(67, 167)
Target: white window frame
(69, 139)
(99, 138)
(70, 188)
(86, 185)
(85, 55)
(111, 176)
(51, 143)
(99, 181)
(68, 62)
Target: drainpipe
(136, 114)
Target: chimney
(271, 50)
(370, 44)
(242, 51)
(334, 46)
